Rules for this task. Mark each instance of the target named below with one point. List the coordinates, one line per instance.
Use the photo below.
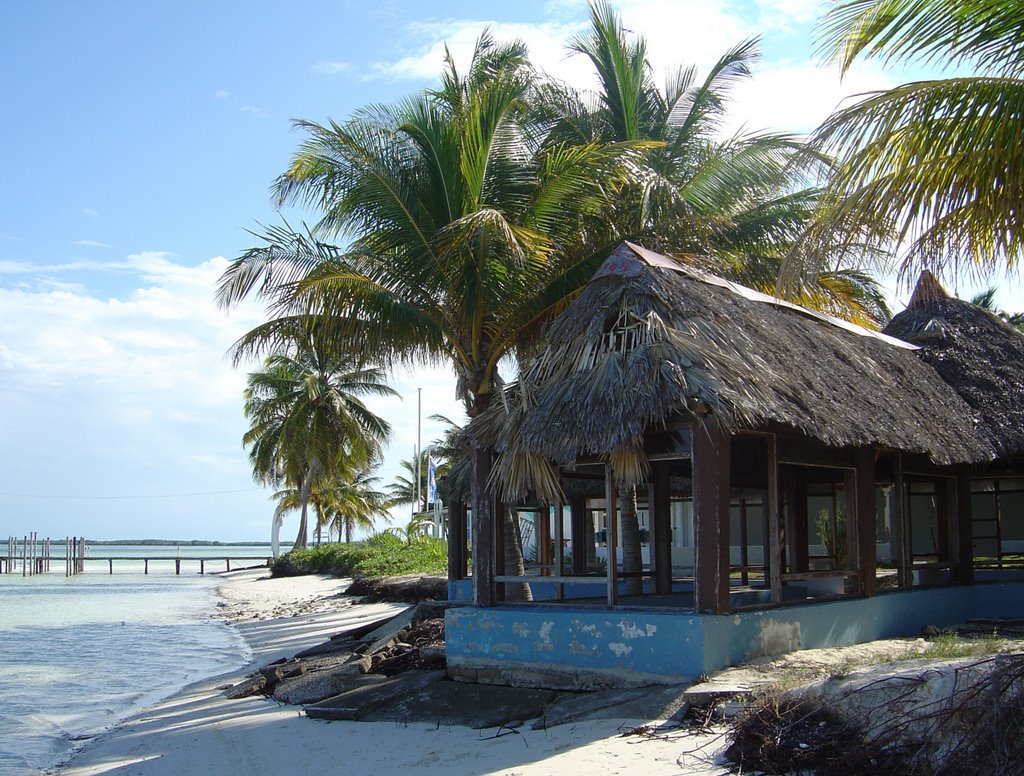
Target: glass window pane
(922, 524)
(1011, 508)
(755, 524)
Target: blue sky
(139, 142)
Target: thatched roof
(978, 354)
(648, 339)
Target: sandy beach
(200, 731)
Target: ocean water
(80, 654)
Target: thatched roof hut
(649, 340)
(978, 354)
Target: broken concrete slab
(328, 662)
(276, 672)
(388, 633)
(473, 705)
(329, 648)
(571, 706)
(360, 631)
(253, 685)
(728, 685)
(357, 703)
(654, 702)
(320, 685)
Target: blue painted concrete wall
(672, 645)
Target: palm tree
(466, 231)
(353, 503)
(987, 300)
(938, 163)
(307, 420)
(732, 206)
(402, 488)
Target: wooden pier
(30, 555)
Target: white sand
(199, 731)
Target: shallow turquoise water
(82, 653)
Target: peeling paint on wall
(775, 638)
(631, 631)
(505, 648)
(589, 629)
(577, 648)
(521, 629)
(544, 634)
(619, 648)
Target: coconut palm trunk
(632, 558)
(305, 489)
(515, 563)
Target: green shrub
(381, 555)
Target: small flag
(431, 480)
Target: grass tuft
(382, 555)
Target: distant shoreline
(171, 543)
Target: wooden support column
(774, 524)
(612, 531)
(964, 532)
(542, 526)
(659, 507)
(483, 528)
(744, 552)
(900, 524)
(578, 535)
(711, 484)
(559, 542)
(456, 540)
(867, 556)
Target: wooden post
(202, 566)
(867, 522)
(744, 552)
(964, 532)
(578, 535)
(559, 548)
(711, 486)
(483, 528)
(456, 540)
(900, 533)
(111, 562)
(612, 530)
(659, 506)
(228, 563)
(145, 566)
(774, 523)
(177, 565)
(543, 534)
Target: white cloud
(127, 394)
(677, 32)
(90, 244)
(253, 110)
(785, 14)
(797, 98)
(221, 94)
(331, 68)
(133, 393)
(88, 211)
